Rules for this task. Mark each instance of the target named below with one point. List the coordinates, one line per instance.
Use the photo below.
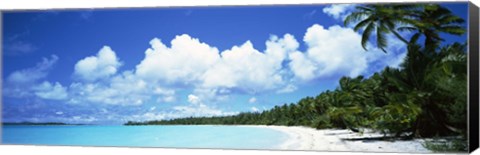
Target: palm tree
(430, 21)
(380, 18)
(435, 83)
(448, 75)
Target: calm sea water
(178, 136)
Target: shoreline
(310, 139)
(302, 138)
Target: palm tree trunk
(430, 44)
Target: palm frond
(407, 28)
(381, 39)
(431, 7)
(353, 17)
(363, 23)
(399, 36)
(366, 35)
(414, 38)
(449, 19)
(456, 30)
(363, 8)
(402, 21)
(390, 25)
(440, 12)
(407, 6)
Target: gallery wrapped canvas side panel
(474, 78)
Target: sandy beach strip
(304, 138)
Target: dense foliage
(425, 97)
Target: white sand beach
(303, 138)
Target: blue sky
(108, 66)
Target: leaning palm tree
(382, 19)
(430, 21)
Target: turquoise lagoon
(171, 136)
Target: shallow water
(173, 136)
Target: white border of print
(50, 4)
(71, 150)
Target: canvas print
(373, 77)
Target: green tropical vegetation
(425, 97)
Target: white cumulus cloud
(252, 100)
(250, 70)
(194, 99)
(244, 67)
(103, 65)
(338, 11)
(190, 62)
(125, 88)
(168, 95)
(46, 90)
(302, 66)
(184, 62)
(122, 89)
(332, 51)
(254, 109)
(18, 83)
